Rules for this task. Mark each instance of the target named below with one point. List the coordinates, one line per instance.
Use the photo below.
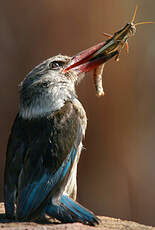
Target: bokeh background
(116, 174)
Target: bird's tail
(69, 211)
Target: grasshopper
(96, 56)
(115, 43)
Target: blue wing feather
(34, 194)
(69, 211)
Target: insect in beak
(85, 61)
(120, 38)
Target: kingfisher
(45, 143)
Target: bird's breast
(82, 114)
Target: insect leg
(108, 35)
(127, 47)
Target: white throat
(44, 104)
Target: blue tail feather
(69, 211)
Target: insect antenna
(139, 23)
(142, 23)
(134, 15)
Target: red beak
(89, 59)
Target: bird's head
(50, 84)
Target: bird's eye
(56, 65)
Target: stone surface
(107, 223)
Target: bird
(45, 142)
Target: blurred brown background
(117, 170)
